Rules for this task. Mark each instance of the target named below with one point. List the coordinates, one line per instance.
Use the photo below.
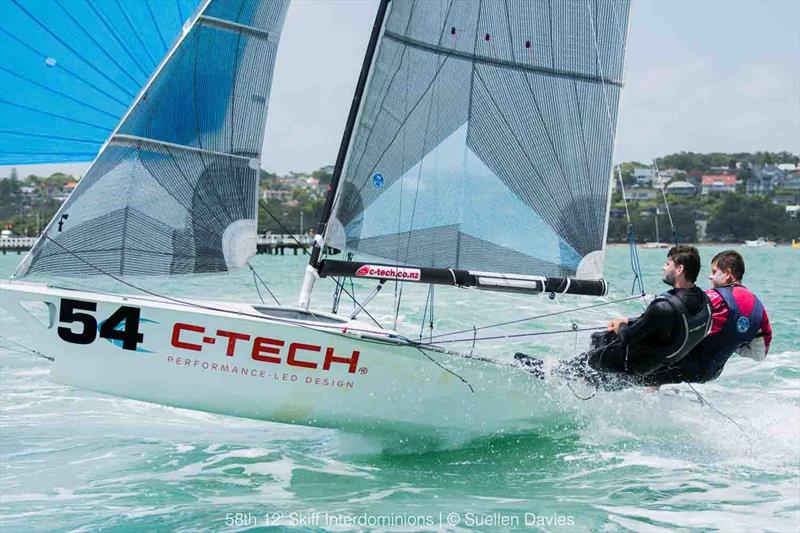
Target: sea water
(628, 461)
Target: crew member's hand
(615, 324)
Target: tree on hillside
(738, 218)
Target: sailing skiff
(477, 153)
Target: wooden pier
(265, 244)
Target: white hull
(277, 368)
(759, 243)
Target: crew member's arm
(766, 329)
(719, 311)
(657, 315)
(758, 348)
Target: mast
(313, 262)
(348, 130)
(658, 239)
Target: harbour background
(626, 461)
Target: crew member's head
(682, 266)
(727, 268)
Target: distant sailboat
(759, 243)
(657, 243)
(477, 153)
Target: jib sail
(174, 188)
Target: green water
(70, 459)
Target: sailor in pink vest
(739, 324)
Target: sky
(701, 76)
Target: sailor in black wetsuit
(633, 349)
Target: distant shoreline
(706, 243)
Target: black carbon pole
(349, 126)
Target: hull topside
(232, 359)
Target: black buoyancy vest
(693, 327)
(738, 329)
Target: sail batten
(121, 139)
(485, 137)
(215, 22)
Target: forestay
(484, 137)
(174, 189)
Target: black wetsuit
(646, 344)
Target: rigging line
(632, 251)
(105, 129)
(284, 228)
(624, 196)
(425, 313)
(666, 204)
(27, 350)
(517, 321)
(703, 401)
(583, 398)
(341, 285)
(416, 194)
(11, 349)
(388, 84)
(433, 294)
(600, 66)
(255, 282)
(403, 123)
(437, 363)
(96, 43)
(212, 308)
(264, 283)
(353, 290)
(515, 335)
(356, 302)
(71, 49)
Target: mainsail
(484, 138)
(174, 189)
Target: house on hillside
(279, 195)
(670, 173)
(642, 193)
(789, 192)
(644, 176)
(694, 177)
(718, 183)
(681, 188)
(760, 185)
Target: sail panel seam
(498, 62)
